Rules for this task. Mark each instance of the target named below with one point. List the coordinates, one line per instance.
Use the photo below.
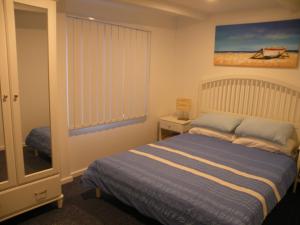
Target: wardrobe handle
(4, 98)
(16, 97)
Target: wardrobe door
(7, 163)
(31, 35)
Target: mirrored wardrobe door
(33, 77)
(7, 163)
(31, 88)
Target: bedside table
(170, 126)
(298, 171)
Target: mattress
(40, 139)
(192, 179)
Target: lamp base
(183, 116)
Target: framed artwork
(268, 44)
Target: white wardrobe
(29, 157)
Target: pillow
(288, 149)
(278, 132)
(212, 133)
(217, 121)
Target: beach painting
(268, 44)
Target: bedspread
(193, 180)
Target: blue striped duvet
(193, 180)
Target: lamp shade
(183, 104)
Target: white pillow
(288, 149)
(212, 133)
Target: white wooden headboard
(250, 96)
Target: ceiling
(199, 9)
(219, 6)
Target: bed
(195, 179)
(39, 139)
(237, 185)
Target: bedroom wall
(83, 149)
(195, 50)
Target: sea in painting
(268, 44)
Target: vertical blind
(107, 67)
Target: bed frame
(251, 96)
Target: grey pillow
(278, 132)
(218, 121)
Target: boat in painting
(270, 53)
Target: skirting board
(66, 180)
(74, 174)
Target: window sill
(102, 127)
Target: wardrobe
(29, 155)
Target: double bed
(194, 179)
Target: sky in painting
(255, 36)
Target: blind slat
(100, 76)
(86, 73)
(77, 78)
(70, 69)
(95, 74)
(128, 72)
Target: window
(108, 67)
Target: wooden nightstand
(170, 126)
(298, 171)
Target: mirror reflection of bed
(32, 39)
(37, 150)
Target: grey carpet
(34, 163)
(81, 207)
(71, 215)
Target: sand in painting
(244, 59)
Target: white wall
(195, 50)
(84, 149)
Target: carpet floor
(82, 208)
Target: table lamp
(183, 108)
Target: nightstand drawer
(171, 126)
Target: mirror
(32, 52)
(3, 164)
